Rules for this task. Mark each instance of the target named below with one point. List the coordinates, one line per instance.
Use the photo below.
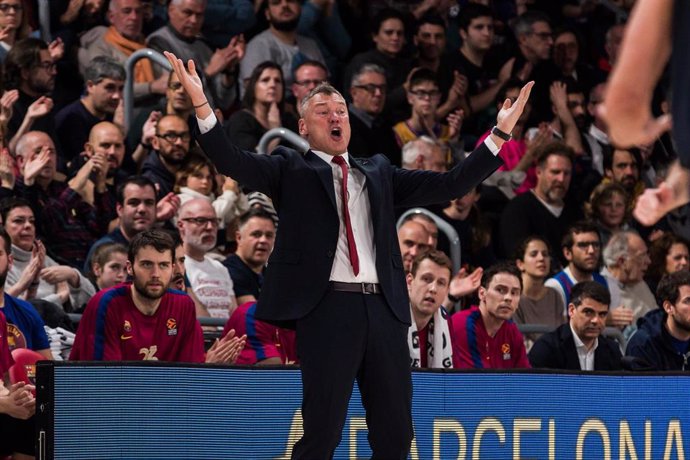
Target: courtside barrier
(153, 410)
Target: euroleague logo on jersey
(505, 349)
(171, 324)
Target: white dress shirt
(585, 356)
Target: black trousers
(348, 337)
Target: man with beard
(30, 69)
(414, 240)
(622, 166)
(428, 337)
(579, 344)
(105, 80)
(662, 340)
(144, 320)
(484, 337)
(182, 36)
(582, 249)
(626, 260)
(279, 43)
(208, 278)
(171, 145)
(542, 210)
(255, 237)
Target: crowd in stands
(131, 225)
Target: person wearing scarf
(428, 337)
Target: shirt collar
(579, 344)
(329, 158)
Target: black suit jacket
(301, 187)
(366, 142)
(556, 350)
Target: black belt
(364, 288)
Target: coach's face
(325, 124)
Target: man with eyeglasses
(626, 260)
(170, 148)
(104, 84)
(424, 98)
(371, 131)
(30, 69)
(532, 61)
(307, 76)
(176, 102)
(208, 278)
(581, 247)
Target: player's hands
(227, 349)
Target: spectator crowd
(130, 225)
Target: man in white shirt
(208, 278)
(579, 345)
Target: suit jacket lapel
(372, 184)
(324, 172)
(572, 361)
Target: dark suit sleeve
(614, 356)
(419, 188)
(640, 347)
(260, 173)
(543, 354)
(514, 228)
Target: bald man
(209, 279)
(66, 221)
(413, 239)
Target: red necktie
(351, 245)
